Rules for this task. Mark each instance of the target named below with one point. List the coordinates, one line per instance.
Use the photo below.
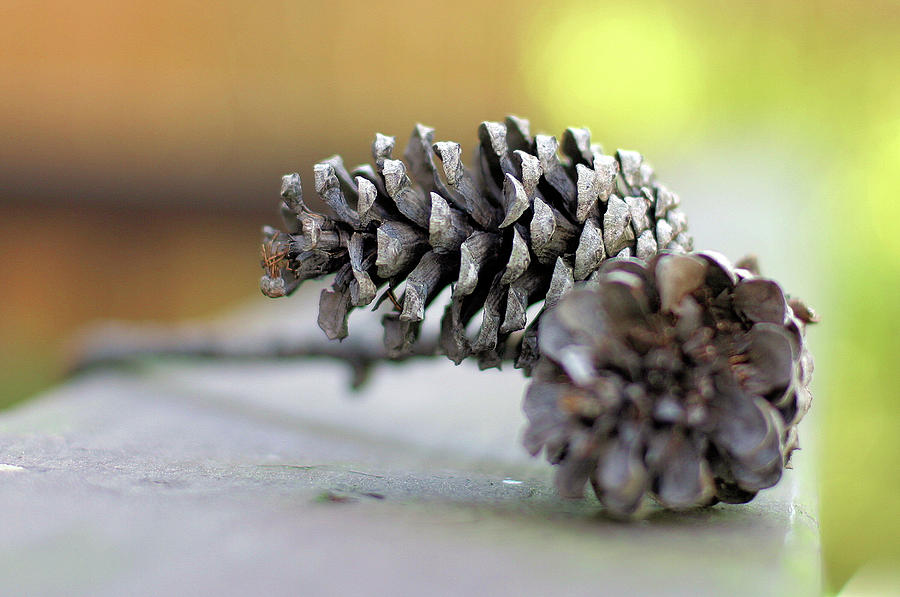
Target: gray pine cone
(682, 378)
(519, 227)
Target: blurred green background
(142, 145)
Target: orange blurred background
(142, 144)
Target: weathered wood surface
(273, 479)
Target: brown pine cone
(682, 378)
(520, 227)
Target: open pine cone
(682, 378)
(667, 374)
(521, 226)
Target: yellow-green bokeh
(668, 76)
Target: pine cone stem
(120, 343)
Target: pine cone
(520, 227)
(683, 378)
